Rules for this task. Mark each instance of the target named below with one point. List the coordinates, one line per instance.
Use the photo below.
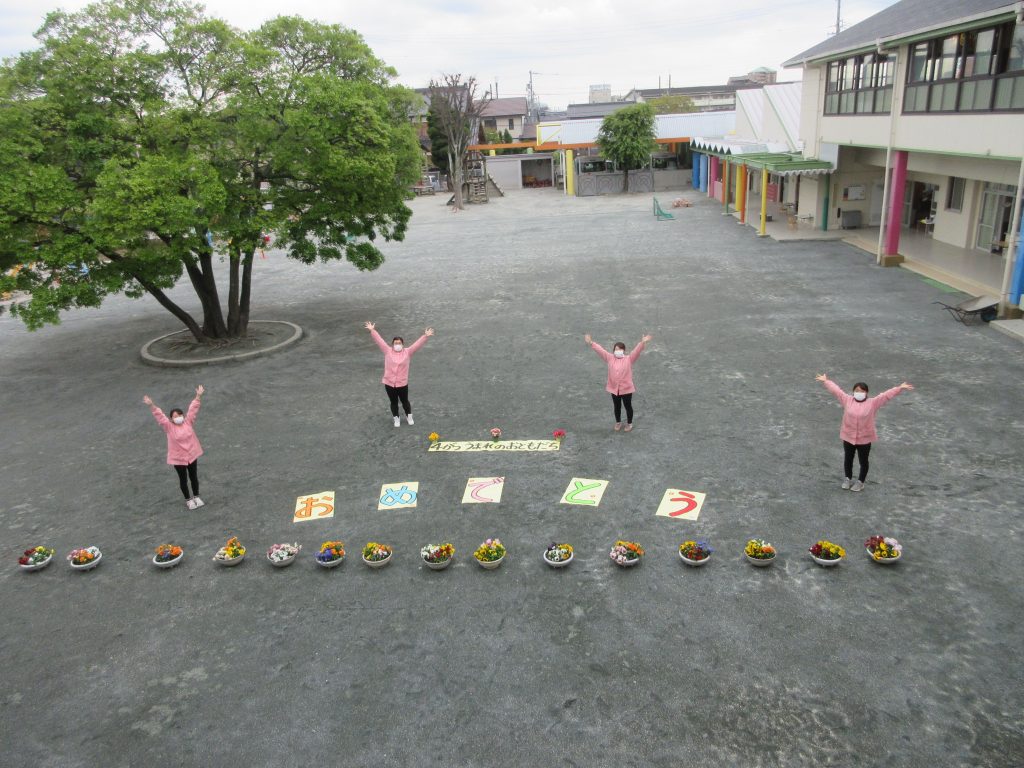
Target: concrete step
(1013, 328)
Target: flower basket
(433, 437)
(377, 555)
(827, 554)
(36, 558)
(85, 559)
(695, 553)
(168, 555)
(558, 555)
(626, 554)
(437, 557)
(760, 553)
(230, 554)
(496, 434)
(331, 554)
(282, 555)
(558, 434)
(884, 550)
(490, 554)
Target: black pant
(398, 393)
(623, 400)
(862, 456)
(193, 475)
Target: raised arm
(193, 408)
(641, 345)
(161, 419)
(376, 337)
(603, 353)
(834, 388)
(421, 341)
(884, 397)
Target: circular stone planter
(826, 563)
(438, 566)
(168, 351)
(330, 563)
(87, 566)
(884, 560)
(694, 563)
(282, 563)
(230, 562)
(36, 566)
(628, 563)
(491, 565)
(168, 563)
(760, 562)
(378, 563)
(557, 563)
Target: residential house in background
(705, 98)
(921, 109)
(507, 114)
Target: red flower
(558, 434)
(23, 560)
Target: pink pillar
(713, 176)
(896, 191)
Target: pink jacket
(182, 444)
(620, 369)
(396, 364)
(859, 418)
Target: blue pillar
(703, 173)
(1017, 283)
(695, 170)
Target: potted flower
(884, 550)
(377, 555)
(759, 553)
(331, 554)
(438, 556)
(496, 434)
(433, 437)
(558, 434)
(695, 553)
(490, 553)
(168, 555)
(36, 558)
(826, 554)
(85, 558)
(231, 553)
(281, 555)
(626, 554)
(558, 555)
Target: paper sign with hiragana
(315, 506)
(398, 496)
(483, 490)
(681, 505)
(584, 492)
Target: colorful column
(741, 193)
(764, 203)
(713, 176)
(705, 163)
(725, 186)
(1017, 283)
(570, 173)
(824, 207)
(896, 191)
(695, 170)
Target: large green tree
(627, 138)
(143, 141)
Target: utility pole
(839, 16)
(495, 86)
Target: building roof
(903, 19)
(599, 109)
(512, 106)
(690, 90)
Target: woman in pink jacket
(396, 369)
(620, 376)
(858, 429)
(183, 448)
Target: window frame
(859, 85)
(955, 194)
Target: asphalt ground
(917, 664)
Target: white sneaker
(857, 486)
(618, 425)
(398, 422)
(199, 502)
(190, 503)
(408, 418)
(846, 484)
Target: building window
(955, 194)
(977, 71)
(511, 123)
(491, 123)
(859, 85)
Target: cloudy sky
(568, 44)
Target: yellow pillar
(570, 175)
(764, 202)
(494, 153)
(741, 193)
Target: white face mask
(620, 353)
(860, 396)
(178, 419)
(398, 347)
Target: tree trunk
(625, 179)
(213, 316)
(233, 290)
(456, 164)
(243, 309)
